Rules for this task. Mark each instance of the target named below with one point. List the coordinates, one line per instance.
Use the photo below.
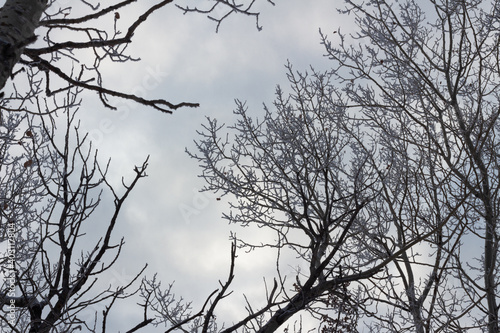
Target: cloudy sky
(167, 222)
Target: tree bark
(18, 21)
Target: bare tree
(381, 174)
(305, 171)
(52, 183)
(45, 216)
(424, 78)
(379, 177)
(30, 29)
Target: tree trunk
(18, 21)
(296, 304)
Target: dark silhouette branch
(158, 104)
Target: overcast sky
(166, 222)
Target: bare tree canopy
(30, 36)
(378, 179)
(380, 174)
(54, 244)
